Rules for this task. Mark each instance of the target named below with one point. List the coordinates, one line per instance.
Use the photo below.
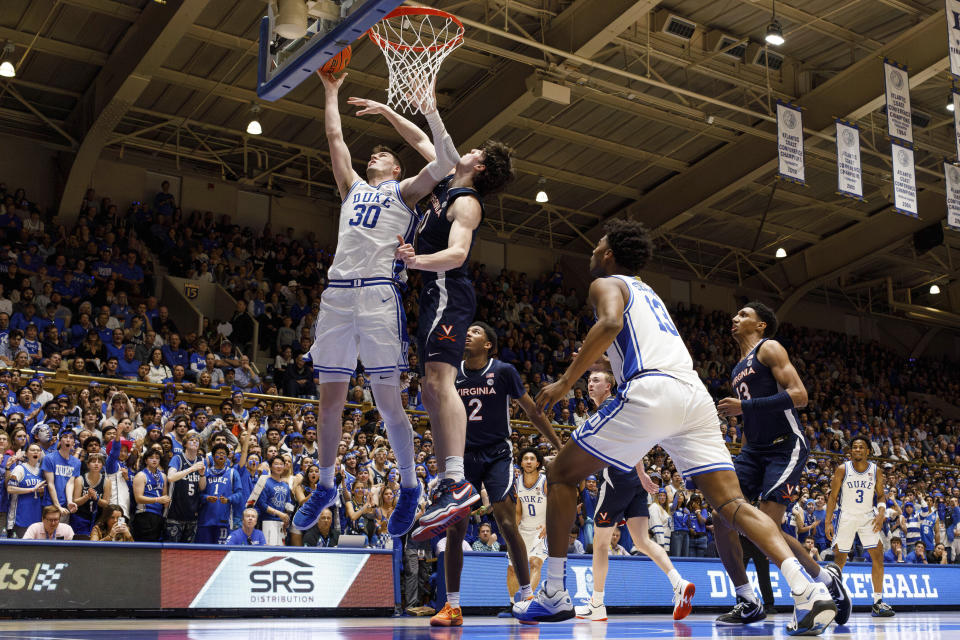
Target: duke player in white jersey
(660, 400)
(858, 484)
(532, 510)
(361, 313)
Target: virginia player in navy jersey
(447, 303)
(773, 454)
(486, 386)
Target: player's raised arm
(411, 133)
(606, 296)
(415, 188)
(539, 420)
(835, 485)
(343, 171)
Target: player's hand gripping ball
(337, 63)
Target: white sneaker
(683, 599)
(813, 611)
(544, 608)
(590, 611)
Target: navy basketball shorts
(618, 500)
(492, 468)
(447, 307)
(771, 475)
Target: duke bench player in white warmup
(623, 494)
(660, 400)
(856, 484)
(486, 386)
(361, 312)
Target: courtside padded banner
(953, 35)
(92, 575)
(790, 142)
(897, 85)
(635, 581)
(149, 577)
(952, 173)
(904, 179)
(849, 172)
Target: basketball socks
(823, 577)
(326, 477)
(556, 571)
(525, 592)
(877, 597)
(453, 468)
(408, 477)
(597, 598)
(675, 578)
(745, 591)
(795, 576)
(453, 599)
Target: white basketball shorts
(856, 524)
(366, 322)
(655, 408)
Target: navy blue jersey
(753, 379)
(433, 234)
(185, 495)
(486, 394)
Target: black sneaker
(839, 593)
(882, 610)
(744, 612)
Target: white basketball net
(414, 47)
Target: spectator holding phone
(111, 526)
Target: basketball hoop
(415, 41)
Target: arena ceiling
(673, 130)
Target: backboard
(331, 25)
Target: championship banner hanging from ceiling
(952, 173)
(790, 142)
(904, 179)
(849, 172)
(897, 85)
(953, 35)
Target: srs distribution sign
(641, 584)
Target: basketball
(337, 63)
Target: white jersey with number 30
(371, 218)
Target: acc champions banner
(635, 581)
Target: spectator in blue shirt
(918, 555)
(115, 345)
(173, 354)
(894, 554)
(128, 364)
(59, 470)
(680, 536)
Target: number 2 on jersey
(476, 404)
(366, 216)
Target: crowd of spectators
(79, 297)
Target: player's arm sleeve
(447, 155)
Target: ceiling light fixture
(934, 290)
(774, 29)
(254, 128)
(781, 252)
(541, 194)
(7, 70)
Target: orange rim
(384, 43)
